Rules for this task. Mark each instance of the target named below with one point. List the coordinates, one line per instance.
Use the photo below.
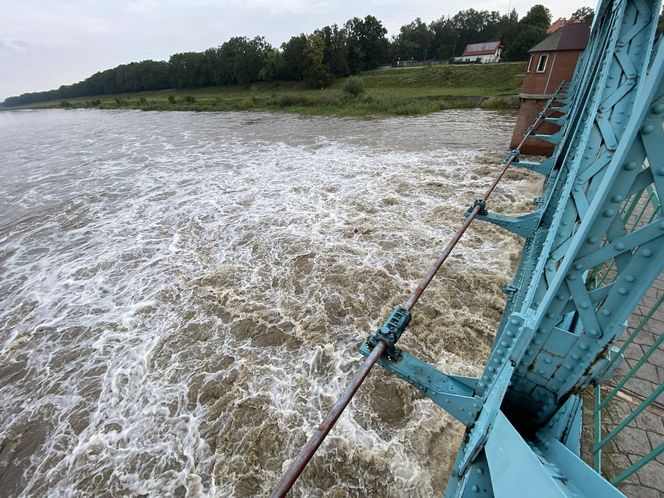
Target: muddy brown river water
(182, 296)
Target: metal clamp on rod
(390, 332)
(513, 156)
(478, 202)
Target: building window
(541, 65)
(530, 63)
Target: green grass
(400, 91)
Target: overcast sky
(46, 43)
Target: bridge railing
(628, 417)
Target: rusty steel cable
(307, 452)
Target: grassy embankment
(400, 91)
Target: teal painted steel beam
(523, 226)
(516, 470)
(554, 138)
(557, 121)
(543, 168)
(565, 425)
(453, 393)
(577, 474)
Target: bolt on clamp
(390, 332)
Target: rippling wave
(182, 296)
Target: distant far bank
(389, 91)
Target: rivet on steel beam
(646, 253)
(584, 306)
(622, 291)
(583, 346)
(578, 266)
(630, 166)
(560, 297)
(620, 246)
(592, 240)
(606, 312)
(617, 198)
(592, 332)
(632, 278)
(576, 356)
(647, 129)
(571, 276)
(659, 171)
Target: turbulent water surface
(182, 296)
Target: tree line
(316, 58)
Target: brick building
(551, 62)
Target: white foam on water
(183, 295)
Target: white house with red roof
(481, 52)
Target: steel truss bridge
(594, 246)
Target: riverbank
(390, 91)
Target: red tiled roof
(486, 48)
(556, 25)
(571, 36)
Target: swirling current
(182, 296)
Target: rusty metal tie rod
(298, 465)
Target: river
(182, 296)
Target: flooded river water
(182, 296)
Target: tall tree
(294, 60)
(532, 29)
(367, 45)
(584, 14)
(187, 70)
(443, 35)
(508, 27)
(414, 40)
(335, 55)
(315, 71)
(274, 67)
